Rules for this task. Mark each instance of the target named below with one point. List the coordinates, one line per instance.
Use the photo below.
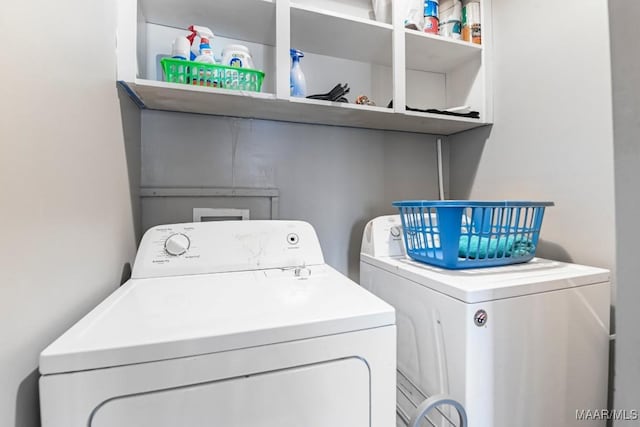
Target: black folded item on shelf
(335, 95)
(470, 114)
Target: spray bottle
(204, 53)
(297, 81)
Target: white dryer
(231, 324)
(519, 346)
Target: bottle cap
(296, 53)
(181, 48)
(236, 48)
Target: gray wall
(552, 137)
(333, 177)
(66, 205)
(625, 33)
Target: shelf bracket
(283, 44)
(399, 72)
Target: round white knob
(395, 231)
(177, 244)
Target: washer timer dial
(177, 244)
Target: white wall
(66, 207)
(553, 132)
(552, 137)
(334, 177)
(625, 33)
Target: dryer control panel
(226, 246)
(383, 237)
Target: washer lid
(148, 320)
(487, 284)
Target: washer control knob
(395, 231)
(177, 244)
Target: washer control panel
(226, 246)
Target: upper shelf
(427, 52)
(248, 20)
(195, 99)
(341, 29)
(335, 34)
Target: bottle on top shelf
(431, 16)
(297, 81)
(451, 19)
(471, 31)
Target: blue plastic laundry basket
(458, 234)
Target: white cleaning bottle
(181, 49)
(297, 81)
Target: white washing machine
(231, 324)
(519, 346)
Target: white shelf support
(399, 53)
(126, 43)
(487, 60)
(283, 44)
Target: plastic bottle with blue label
(297, 81)
(237, 55)
(451, 20)
(181, 48)
(431, 16)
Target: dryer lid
(488, 284)
(155, 319)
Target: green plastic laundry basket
(211, 75)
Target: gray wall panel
(163, 210)
(334, 177)
(625, 33)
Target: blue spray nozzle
(296, 54)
